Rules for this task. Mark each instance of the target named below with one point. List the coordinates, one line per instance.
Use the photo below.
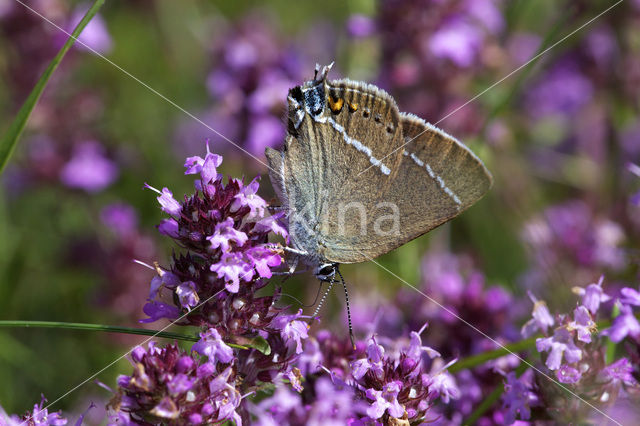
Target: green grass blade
(10, 139)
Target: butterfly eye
(296, 93)
(326, 272)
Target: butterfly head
(326, 271)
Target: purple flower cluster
(169, 384)
(573, 351)
(225, 230)
(40, 416)
(378, 387)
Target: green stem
(97, 327)
(10, 139)
(107, 328)
(481, 358)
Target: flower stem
(97, 327)
(106, 328)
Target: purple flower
(385, 400)
(158, 310)
(88, 168)
(292, 329)
(630, 296)
(619, 372)
(592, 295)
(457, 41)
(263, 260)
(270, 224)
(205, 166)
(248, 197)
(563, 90)
(187, 294)
(561, 343)
(163, 278)
(444, 385)
(168, 204)
(95, 35)
(625, 324)
(334, 405)
(568, 374)
(120, 217)
(224, 234)
(518, 397)
(487, 13)
(233, 268)
(227, 398)
(169, 227)
(541, 320)
(360, 26)
(415, 348)
(265, 130)
(212, 346)
(583, 324)
(40, 416)
(373, 361)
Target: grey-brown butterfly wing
(316, 173)
(437, 180)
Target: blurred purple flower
(457, 41)
(518, 397)
(40, 416)
(560, 344)
(360, 26)
(630, 296)
(120, 217)
(593, 295)
(88, 168)
(541, 320)
(562, 90)
(583, 324)
(568, 374)
(265, 131)
(625, 324)
(95, 35)
(487, 13)
(619, 372)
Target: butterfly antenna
(324, 297)
(346, 296)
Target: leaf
(258, 343)
(10, 139)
